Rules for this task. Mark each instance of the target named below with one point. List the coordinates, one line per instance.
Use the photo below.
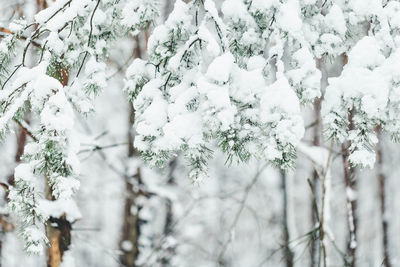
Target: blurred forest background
(247, 215)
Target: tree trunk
(287, 252)
(130, 229)
(131, 224)
(382, 199)
(315, 247)
(58, 230)
(351, 204)
(168, 226)
(316, 189)
(351, 190)
(41, 4)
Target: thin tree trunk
(5, 226)
(288, 253)
(351, 193)
(168, 226)
(382, 197)
(167, 8)
(351, 204)
(315, 247)
(41, 4)
(131, 228)
(316, 186)
(58, 230)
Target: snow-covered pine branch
(200, 64)
(72, 38)
(363, 97)
(198, 74)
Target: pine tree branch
(25, 128)
(90, 37)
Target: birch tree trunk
(351, 201)
(351, 205)
(315, 187)
(382, 198)
(287, 252)
(316, 141)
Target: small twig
(2, 29)
(314, 199)
(26, 130)
(290, 242)
(314, 123)
(190, 45)
(90, 37)
(120, 68)
(95, 147)
(12, 74)
(166, 82)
